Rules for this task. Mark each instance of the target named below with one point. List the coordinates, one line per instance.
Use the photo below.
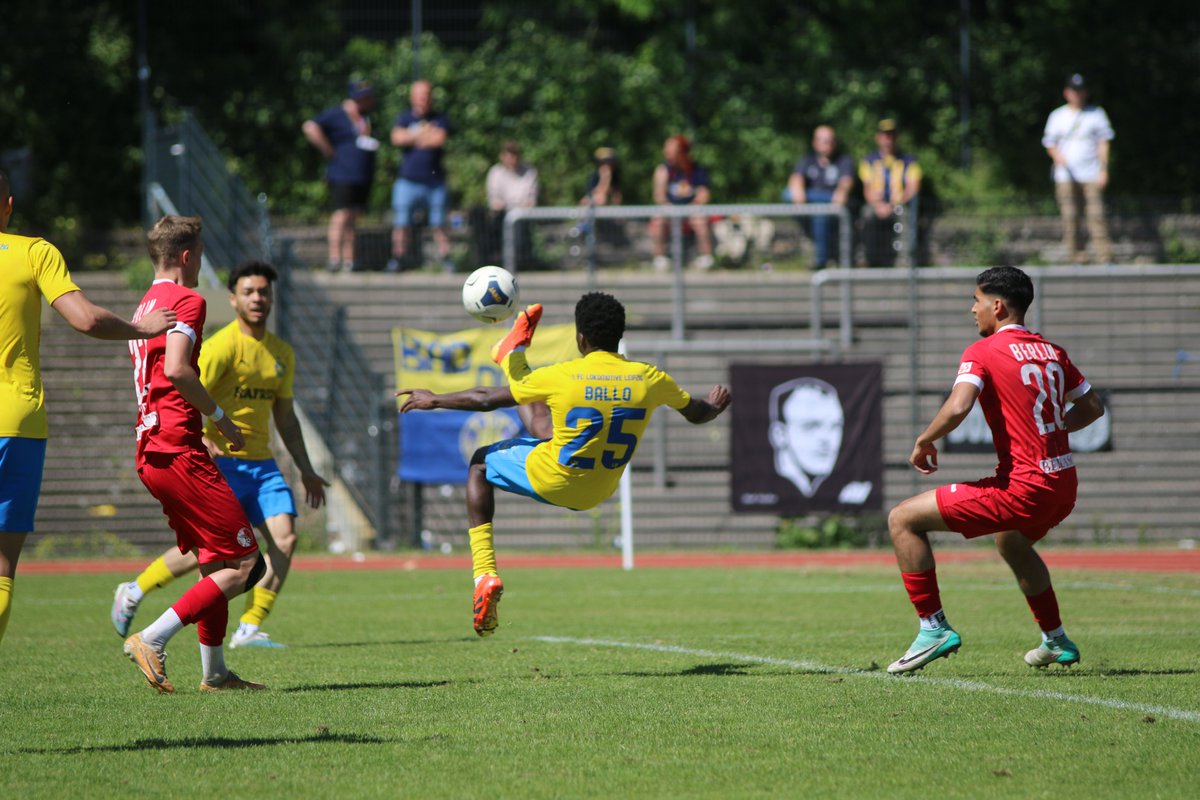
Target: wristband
(217, 415)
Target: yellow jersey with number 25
(600, 405)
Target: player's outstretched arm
(698, 412)
(1084, 412)
(98, 322)
(481, 398)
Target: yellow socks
(259, 603)
(155, 576)
(516, 365)
(483, 551)
(6, 590)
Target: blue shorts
(21, 462)
(505, 462)
(406, 194)
(259, 486)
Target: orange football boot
(487, 598)
(520, 335)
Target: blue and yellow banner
(436, 446)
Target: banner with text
(807, 437)
(436, 446)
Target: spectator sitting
(510, 184)
(421, 133)
(604, 184)
(891, 180)
(679, 181)
(822, 176)
(343, 136)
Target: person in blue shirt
(342, 134)
(823, 176)
(421, 134)
(680, 181)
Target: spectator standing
(891, 180)
(511, 183)
(604, 184)
(822, 176)
(1076, 137)
(680, 181)
(342, 134)
(421, 134)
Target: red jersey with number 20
(1025, 384)
(166, 422)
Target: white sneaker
(661, 263)
(703, 262)
(255, 639)
(124, 607)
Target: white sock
(134, 591)
(159, 632)
(212, 664)
(1048, 635)
(934, 621)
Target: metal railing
(346, 400)
(185, 166)
(676, 216)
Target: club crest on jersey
(278, 368)
(244, 538)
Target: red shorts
(994, 504)
(199, 505)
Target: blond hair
(170, 236)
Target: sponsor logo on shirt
(965, 367)
(1057, 463)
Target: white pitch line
(1187, 715)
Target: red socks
(1045, 610)
(205, 605)
(922, 588)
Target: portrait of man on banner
(807, 438)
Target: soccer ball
(490, 294)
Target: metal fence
(184, 166)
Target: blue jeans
(823, 227)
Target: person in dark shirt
(342, 134)
(680, 181)
(823, 176)
(421, 134)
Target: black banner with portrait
(807, 437)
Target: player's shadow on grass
(699, 669)
(343, 687)
(213, 742)
(1105, 672)
(381, 643)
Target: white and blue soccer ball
(490, 294)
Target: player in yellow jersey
(30, 269)
(599, 406)
(249, 371)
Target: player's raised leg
(521, 334)
(160, 572)
(909, 524)
(1033, 578)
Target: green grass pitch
(657, 683)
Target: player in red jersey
(1024, 385)
(177, 469)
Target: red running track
(1186, 561)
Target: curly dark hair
(1010, 284)
(600, 318)
(251, 268)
